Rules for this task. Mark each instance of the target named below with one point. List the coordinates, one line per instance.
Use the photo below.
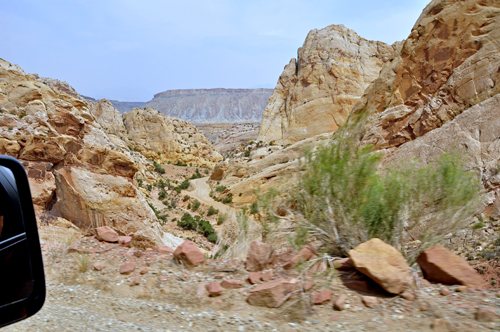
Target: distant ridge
(122, 106)
(212, 105)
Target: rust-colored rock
(164, 250)
(125, 240)
(344, 264)
(440, 265)
(99, 266)
(260, 256)
(201, 290)
(189, 253)
(214, 289)
(272, 293)
(370, 301)
(322, 297)
(127, 268)
(254, 277)
(487, 314)
(339, 303)
(383, 264)
(219, 170)
(107, 234)
(231, 284)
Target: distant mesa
(122, 106)
(213, 105)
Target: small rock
(260, 256)
(267, 275)
(124, 240)
(201, 290)
(486, 315)
(370, 301)
(445, 291)
(254, 277)
(322, 297)
(214, 288)
(189, 253)
(106, 233)
(135, 281)
(126, 268)
(216, 303)
(231, 284)
(339, 303)
(440, 325)
(164, 250)
(462, 289)
(99, 266)
(408, 296)
(272, 293)
(344, 264)
(144, 270)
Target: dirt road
(201, 191)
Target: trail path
(201, 191)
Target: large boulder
(106, 233)
(270, 294)
(219, 171)
(383, 264)
(260, 256)
(189, 253)
(440, 265)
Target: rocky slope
(440, 91)
(78, 166)
(212, 105)
(316, 92)
(238, 134)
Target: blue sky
(131, 49)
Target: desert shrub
(212, 211)
(228, 199)
(186, 198)
(254, 208)
(196, 204)
(189, 206)
(205, 228)
(162, 184)
(196, 175)
(149, 187)
(236, 235)
(183, 186)
(187, 222)
(212, 238)
(345, 201)
(158, 168)
(162, 194)
(140, 182)
(82, 260)
(222, 217)
(220, 188)
(247, 153)
(180, 163)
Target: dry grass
(82, 261)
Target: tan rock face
(448, 63)
(440, 265)
(316, 92)
(168, 139)
(382, 263)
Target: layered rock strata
(316, 92)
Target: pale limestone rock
(169, 139)
(316, 92)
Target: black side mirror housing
(22, 279)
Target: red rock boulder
(440, 265)
(260, 256)
(214, 289)
(231, 284)
(189, 253)
(106, 233)
(322, 297)
(164, 250)
(270, 294)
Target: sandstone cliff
(212, 105)
(78, 166)
(440, 91)
(316, 92)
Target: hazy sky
(131, 49)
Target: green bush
(186, 198)
(196, 204)
(158, 168)
(162, 194)
(345, 201)
(254, 208)
(212, 238)
(180, 163)
(212, 211)
(196, 175)
(247, 153)
(228, 199)
(187, 222)
(220, 188)
(205, 228)
(222, 217)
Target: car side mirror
(22, 280)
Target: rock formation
(236, 135)
(316, 92)
(212, 105)
(78, 166)
(440, 92)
